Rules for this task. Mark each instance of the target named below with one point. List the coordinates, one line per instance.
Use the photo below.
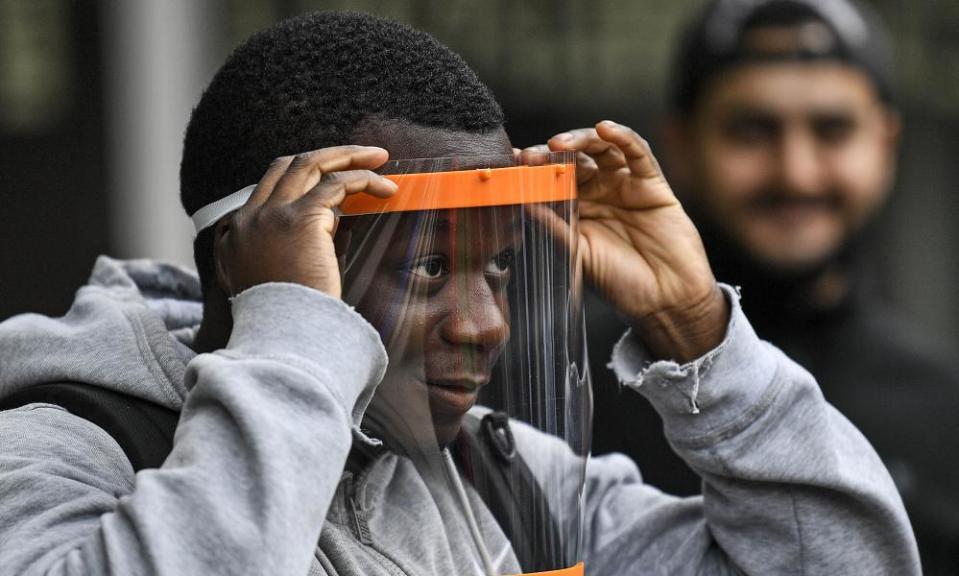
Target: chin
(413, 417)
(413, 436)
(446, 436)
(447, 429)
(793, 267)
(793, 256)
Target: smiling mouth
(776, 203)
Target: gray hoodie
(255, 482)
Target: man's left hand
(638, 246)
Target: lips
(454, 396)
(790, 212)
(781, 202)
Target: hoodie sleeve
(257, 456)
(789, 485)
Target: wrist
(682, 335)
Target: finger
(638, 155)
(586, 167)
(535, 155)
(307, 169)
(335, 186)
(606, 154)
(266, 184)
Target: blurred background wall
(94, 97)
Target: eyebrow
(424, 229)
(746, 112)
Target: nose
(801, 164)
(476, 314)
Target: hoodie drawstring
(454, 475)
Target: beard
(775, 284)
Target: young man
(272, 372)
(782, 143)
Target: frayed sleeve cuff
(708, 392)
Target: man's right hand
(284, 232)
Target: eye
(834, 129)
(751, 132)
(429, 268)
(502, 263)
(750, 129)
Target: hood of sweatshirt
(128, 329)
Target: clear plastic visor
(470, 276)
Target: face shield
(469, 273)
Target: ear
(892, 128)
(676, 135)
(221, 236)
(891, 131)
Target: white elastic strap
(209, 214)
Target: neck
(217, 324)
(827, 290)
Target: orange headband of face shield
(478, 188)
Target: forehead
(467, 229)
(790, 88)
(406, 140)
(492, 224)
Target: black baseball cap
(728, 33)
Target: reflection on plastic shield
(470, 275)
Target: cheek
(726, 184)
(503, 302)
(730, 174)
(398, 316)
(862, 178)
(411, 337)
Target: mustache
(778, 199)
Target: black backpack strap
(143, 430)
(486, 453)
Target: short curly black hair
(306, 83)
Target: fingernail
(564, 137)
(610, 123)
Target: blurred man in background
(782, 140)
